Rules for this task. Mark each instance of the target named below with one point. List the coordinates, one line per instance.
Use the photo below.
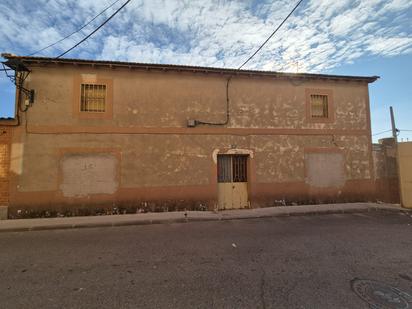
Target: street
(283, 262)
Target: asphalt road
(290, 262)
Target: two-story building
(104, 134)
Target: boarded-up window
(89, 173)
(325, 169)
(319, 106)
(93, 98)
(232, 168)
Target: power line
(78, 30)
(386, 131)
(95, 30)
(230, 77)
(379, 133)
(273, 33)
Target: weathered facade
(141, 149)
(386, 171)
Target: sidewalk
(18, 225)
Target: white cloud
(396, 5)
(320, 35)
(389, 46)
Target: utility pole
(394, 130)
(395, 137)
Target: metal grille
(232, 168)
(319, 106)
(93, 98)
(224, 169)
(239, 168)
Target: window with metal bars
(319, 106)
(93, 98)
(232, 168)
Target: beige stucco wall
(405, 173)
(158, 158)
(168, 99)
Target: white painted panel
(325, 170)
(85, 174)
(240, 197)
(225, 193)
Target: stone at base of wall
(3, 212)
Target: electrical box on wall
(191, 123)
(31, 96)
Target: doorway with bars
(232, 179)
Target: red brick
(4, 165)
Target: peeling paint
(158, 100)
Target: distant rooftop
(35, 61)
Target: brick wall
(5, 134)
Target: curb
(66, 226)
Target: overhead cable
(76, 31)
(379, 133)
(230, 77)
(273, 33)
(95, 30)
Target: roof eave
(168, 67)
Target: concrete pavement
(189, 216)
(279, 262)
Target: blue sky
(352, 37)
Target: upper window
(93, 98)
(319, 107)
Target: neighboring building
(405, 173)
(104, 134)
(393, 171)
(386, 170)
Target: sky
(348, 37)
